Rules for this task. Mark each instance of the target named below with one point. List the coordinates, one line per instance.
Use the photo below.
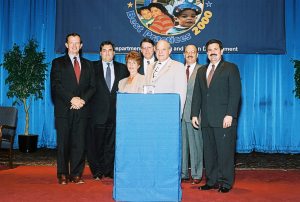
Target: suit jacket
(221, 98)
(64, 86)
(171, 79)
(141, 69)
(137, 85)
(189, 95)
(103, 103)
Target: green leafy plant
(297, 78)
(26, 75)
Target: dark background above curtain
(242, 26)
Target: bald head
(190, 54)
(163, 50)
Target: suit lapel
(83, 70)
(149, 74)
(204, 79)
(70, 68)
(101, 74)
(141, 69)
(217, 72)
(193, 75)
(117, 75)
(164, 69)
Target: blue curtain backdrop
(269, 115)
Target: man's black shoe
(208, 187)
(223, 190)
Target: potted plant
(297, 78)
(26, 76)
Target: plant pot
(28, 143)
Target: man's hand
(227, 121)
(195, 122)
(77, 103)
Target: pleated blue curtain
(269, 112)
(20, 21)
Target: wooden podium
(148, 148)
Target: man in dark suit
(148, 56)
(101, 139)
(216, 95)
(72, 86)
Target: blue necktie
(108, 76)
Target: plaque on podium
(148, 148)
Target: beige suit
(170, 79)
(136, 86)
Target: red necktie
(76, 69)
(187, 71)
(210, 75)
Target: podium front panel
(148, 148)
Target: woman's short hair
(133, 55)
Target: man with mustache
(192, 144)
(216, 98)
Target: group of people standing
(84, 97)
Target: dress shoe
(77, 180)
(223, 190)
(185, 180)
(98, 177)
(63, 180)
(208, 187)
(196, 181)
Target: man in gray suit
(192, 143)
(167, 75)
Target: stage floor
(39, 183)
(252, 160)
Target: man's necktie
(187, 71)
(108, 76)
(156, 70)
(148, 62)
(210, 75)
(76, 69)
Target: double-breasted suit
(192, 143)
(101, 138)
(71, 124)
(215, 102)
(170, 79)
